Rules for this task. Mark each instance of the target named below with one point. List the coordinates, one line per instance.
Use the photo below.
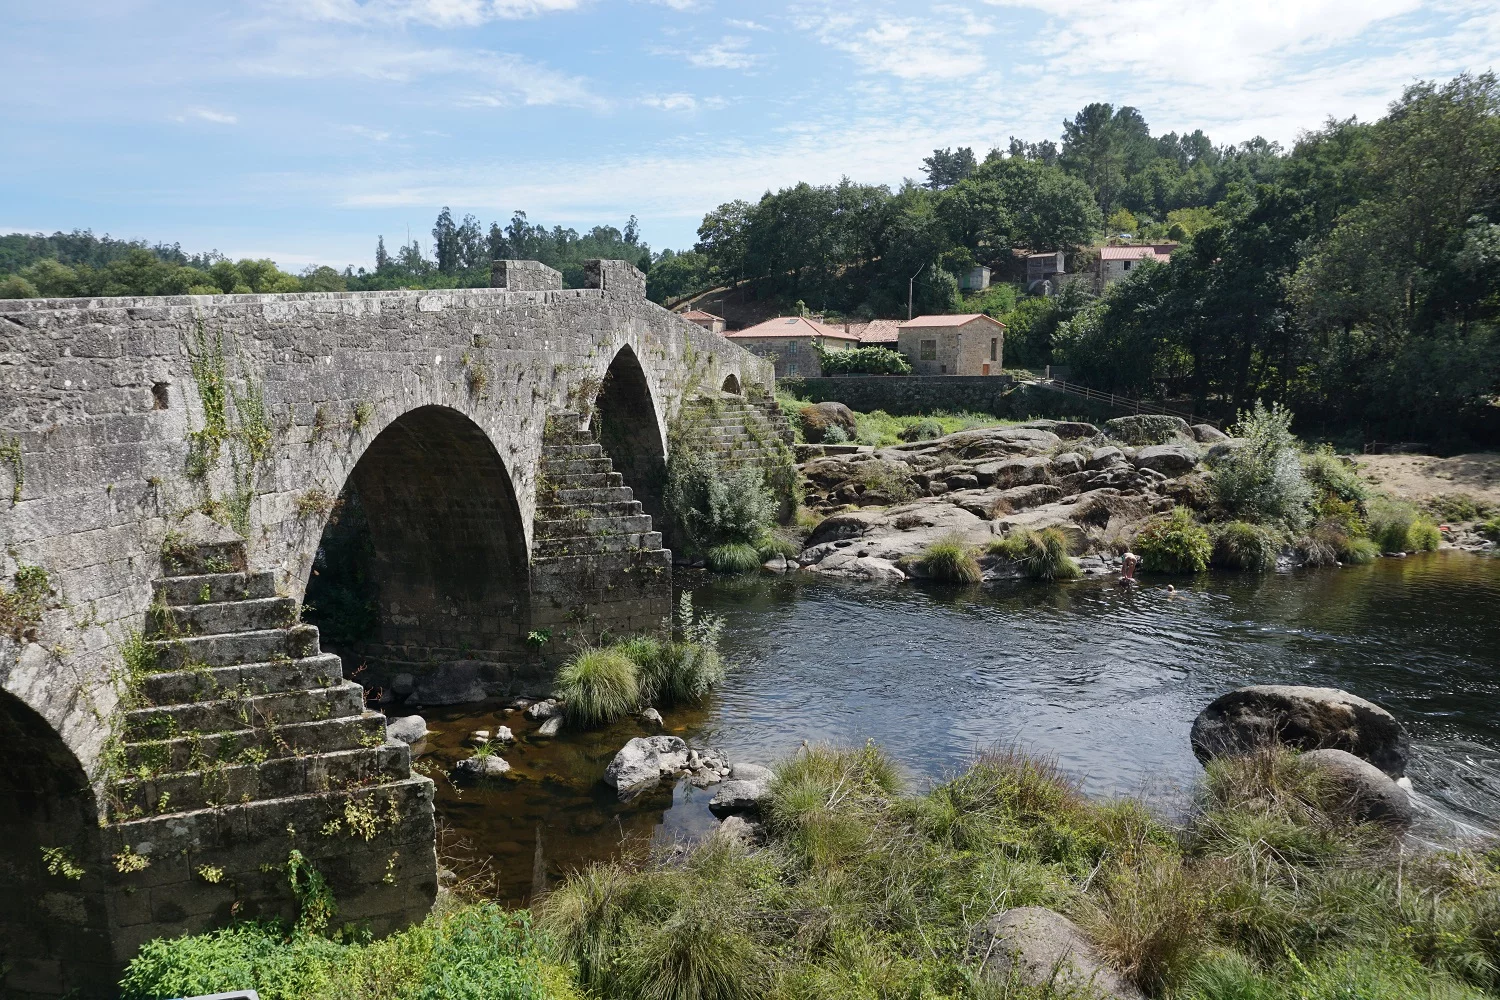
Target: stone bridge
(178, 750)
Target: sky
(301, 130)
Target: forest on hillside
(1354, 276)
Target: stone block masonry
(125, 423)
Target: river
(1107, 682)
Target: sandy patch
(1418, 477)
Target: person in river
(1127, 569)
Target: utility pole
(911, 285)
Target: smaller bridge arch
(731, 384)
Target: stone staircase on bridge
(594, 548)
(244, 744)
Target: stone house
(787, 341)
(1116, 263)
(964, 344)
(707, 320)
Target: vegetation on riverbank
(1266, 890)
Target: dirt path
(1417, 477)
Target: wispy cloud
(683, 102)
(206, 115)
(943, 46)
(365, 132)
(439, 13)
(746, 25)
(729, 52)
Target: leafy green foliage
(874, 360)
(1263, 481)
(1399, 526)
(1173, 543)
(734, 557)
(1243, 546)
(1042, 554)
(22, 605)
(715, 507)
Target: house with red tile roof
(961, 344)
(707, 320)
(788, 342)
(1116, 263)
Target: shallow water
(1106, 681)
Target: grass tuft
(1042, 554)
(600, 686)
(734, 557)
(949, 560)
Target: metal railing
(1123, 402)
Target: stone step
(566, 511)
(594, 495)
(280, 708)
(213, 588)
(221, 618)
(572, 451)
(193, 559)
(185, 791)
(566, 469)
(563, 422)
(589, 481)
(593, 527)
(181, 687)
(244, 744)
(259, 646)
(549, 547)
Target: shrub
(683, 668)
(734, 557)
(925, 429)
(600, 686)
(1335, 477)
(1490, 529)
(1173, 543)
(1330, 542)
(835, 434)
(1042, 554)
(1243, 546)
(1398, 526)
(1263, 480)
(712, 506)
(889, 479)
(871, 360)
(949, 560)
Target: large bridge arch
(630, 425)
(429, 512)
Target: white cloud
(364, 132)
(944, 46)
(730, 52)
(746, 25)
(207, 115)
(439, 13)
(493, 79)
(683, 102)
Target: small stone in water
(504, 735)
(652, 716)
(551, 726)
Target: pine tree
(382, 259)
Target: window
(1127, 265)
(791, 367)
(928, 350)
(994, 348)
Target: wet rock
(1168, 459)
(1365, 792)
(1304, 718)
(644, 759)
(504, 735)
(1208, 434)
(453, 683)
(652, 717)
(775, 564)
(1107, 458)
(817, 418)
(543, 709)
(1148, 428)
(486, 766)
(1033, 946)
(738, 795)
(551, 726)
(408, 729)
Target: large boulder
(818, 417)
(1035, 947)
(1107, 458)
(1170, 460)
(1148, 428)
(1067, 463)
(1208, 434)
(1015, 472)
(644, 760)
(1220, 450)
(1304, 718)
(454, 683)
(407, 729)
(1070, 430)
(1364, 792)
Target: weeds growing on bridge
(22, 605)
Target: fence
(1123, 402)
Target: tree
(673, 275)
(382, 259)
(946, 167)
(722, 239)
(445, 242)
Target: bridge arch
(628, 422)
(428, 523)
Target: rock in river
(645, 759)
(739, 795)
(1365, 792)
(487, 766)
(1034, 947)
(1305, 718)
(408, 729)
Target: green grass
(1244, 546)
(1042, 554)
(1490, 529)
(1399, 526)
(734, 557)
(1173, 543)
(949, 560)
(600, 686)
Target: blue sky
(302, 129)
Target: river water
(1106, 681)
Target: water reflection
(1108, 681)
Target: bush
(949, 560)
(1243, 546)
(1398, 526)
(1263, 481)
(683, 668)
(892, 480)
(872, 360)
(1490, 529)
(1173, 543)
(473, 952)
(1042, 554)
(925, 429)
(834, 434)
(734, 557)
(1335, 477)
(599, 686)
(712, 506)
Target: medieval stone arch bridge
(178, 748)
